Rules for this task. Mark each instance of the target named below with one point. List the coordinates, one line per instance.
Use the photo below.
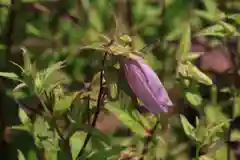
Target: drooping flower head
(146, 85)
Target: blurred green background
(161, 30)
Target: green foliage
(61, 62)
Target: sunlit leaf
(125, 38)
(63, 103)
(20, 155)
(235, 17)
(210, 15)
(230, 29)
(50, 70)
(79, 114)
(33, 30)
(111, 75)
(214, 114)
(76, 142)
(205, 158)
(218, 128)
(211, 6)
(96, 46)
(185, 43)
(28, 67)
(219, 30)
(215, 30)
(188, 128)
(10, 75)
(45, 136)
(192, 56)
(19, 86)
(235, 135)
(236, 107)
(191, 71)
(117, 49)
(194, 98)
(108, 153)
(95, 20)
(126, 118)
(23, 116)
(21, 127)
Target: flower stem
(197, 152)
(99, 101)
(148, 140)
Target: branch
(149, 139)
(99, 101)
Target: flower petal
(146, 85)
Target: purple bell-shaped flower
(146, 85)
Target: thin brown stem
(99, 102)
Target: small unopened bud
(146, 85)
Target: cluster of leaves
(61, 121)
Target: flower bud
(146, 85)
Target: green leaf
(20, 155)
(32, 155)
(205, 158)
(2, 47)
(79, 114)
(63, 103)
(10, 75)
(125, 38)
(38, 83)
(95, 46)
(48, 79)
(19, 86)
(185, 43)
(33, 30)
(211, 6)
(214, 114)
(175, 14)
(194, 98)
(235, 135)
(22, 128)
(188, 128)
(191, 71)
(23, 116)
(76, 142)
(218, 128)
(28, 67)
(107, 153)
(235, 17)
(236, 106)
(134, 56)
(192, 56)
(50, 70)
(45, 135)
(215, 30)
(201, 134)
(126, 118)
(117, 49)
(210, 16)
(100, 136)
(230, 29)
(50, 154)
(111, 76)
(95, 20)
